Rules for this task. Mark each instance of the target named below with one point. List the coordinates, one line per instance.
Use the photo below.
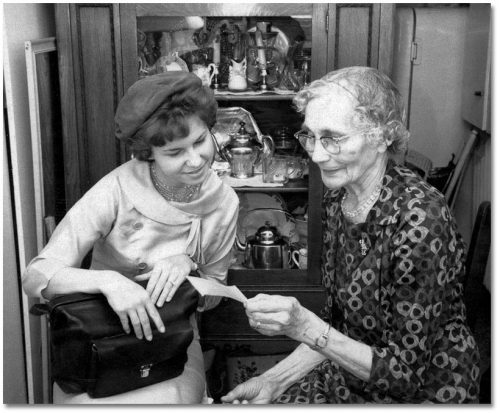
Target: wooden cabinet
(98, 61)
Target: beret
(146, 95)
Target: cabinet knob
(478, 93)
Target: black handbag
(90, 352)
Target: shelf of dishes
(275, 173)
(233, 55)
(246, 158)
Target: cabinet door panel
(354, 32)
(98, 85)
(90, 78)
(360, 35)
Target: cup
(275, 169)
(299, 257)
(242, 162)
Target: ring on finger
(257, 325)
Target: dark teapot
(267, 249)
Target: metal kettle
(242, 143)
(267, 249)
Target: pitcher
(238, 75)
(205, 73)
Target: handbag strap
(39, 309)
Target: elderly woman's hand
(166, 277)
(257, 390)
(276, 315)
(131, 302)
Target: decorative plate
(282, 43)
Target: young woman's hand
(166, 277)
(132, 304)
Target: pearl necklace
(371, 199)
(172, 193)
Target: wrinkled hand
(257, 390)
(131, 302)
(273, 315)
(166, 277)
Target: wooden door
(90, 70)
(360, 34)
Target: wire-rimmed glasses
(331, 144)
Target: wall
(14, 380)
(477, 184)
(22, 22)
(433, 87)
(431, 82)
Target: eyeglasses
(331, 144)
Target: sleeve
(218, 265)
(88, 220)
(426, 261)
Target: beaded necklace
(369, 201)
(172, 193)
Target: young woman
(156, 218)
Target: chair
(477, 298)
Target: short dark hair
(169, 121)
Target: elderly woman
(394, 327)
(156, 217)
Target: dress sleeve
(329, 203)
(426, 261)
(88, 220)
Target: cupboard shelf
(282, 189)
(247, 97)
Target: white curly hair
(380, 105)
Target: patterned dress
(394, 283)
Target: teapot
(244, 151)
(267, 249)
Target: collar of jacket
(135, 180)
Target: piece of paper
(208, 287)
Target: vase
(237, 75)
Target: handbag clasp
(145, 370)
